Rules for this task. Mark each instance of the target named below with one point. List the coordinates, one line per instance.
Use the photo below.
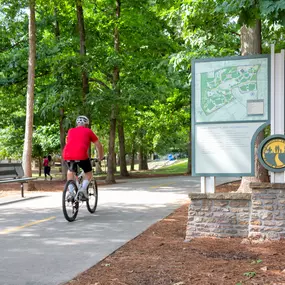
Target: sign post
(208, 184)
(277, 103)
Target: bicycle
(71, 197)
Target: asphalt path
(39, 247)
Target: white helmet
(82, 121)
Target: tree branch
(20, 79)
(100, 82)
(13, 46)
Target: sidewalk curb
(17, 200)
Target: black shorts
(84, 164)
(47, 170)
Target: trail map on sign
(231, 91)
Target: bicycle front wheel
(69, 205)
(92, 201)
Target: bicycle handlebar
(96, 159)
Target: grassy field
(178, 167)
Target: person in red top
(47, 166)
(77, 145)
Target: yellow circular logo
(273, 153)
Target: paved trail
(39, 247)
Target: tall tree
(27, 152)
(81, 28)
(251, 44)
(121, 136)
(250, 16)
(110, 178)
(61, 109)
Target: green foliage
(46, 140)
(274, 9)
(256, 261)
(11, 142)
(249, 274)
(250, 10)
(158, 40)
(247, 10)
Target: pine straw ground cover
(160, 256)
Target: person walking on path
(47, 166)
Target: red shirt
(45, 162)
(77, 143)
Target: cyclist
(77, 144)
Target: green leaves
(11, 142)
(249, 274)
(158, 40)
(273, 9)
(46, 140)
(250, 10)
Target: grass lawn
(178, 167)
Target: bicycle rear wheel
(92, 201)
(69, 205)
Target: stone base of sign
(258, 216)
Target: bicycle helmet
(82, 121)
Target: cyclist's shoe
(71, 193)
(83, 195)
(71, 189)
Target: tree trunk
(62, 144)
(144, 162)
(110, 178)
(142, 159)
(40, 162)
(123, 164)
(27, 152)
(251, 39)
(61, 112)
(251, 44)
(116, 76)
(133, 157)
(81, 28)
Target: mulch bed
(159, 256)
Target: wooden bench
(13, 172)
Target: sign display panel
(231, 90)
(224, 148)
(230, 105)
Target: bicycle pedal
(81, 197)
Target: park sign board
(230, 106)
(271, 153)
